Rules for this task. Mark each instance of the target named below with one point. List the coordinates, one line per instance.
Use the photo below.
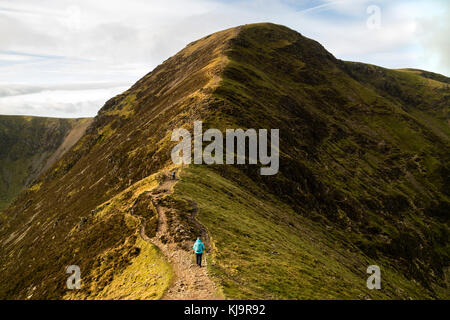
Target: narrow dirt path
(190, 282)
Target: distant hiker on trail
(173, 175)
(198, 249)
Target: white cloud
(433, 33)
(64, 103)
(7, 90)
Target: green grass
(131, 269)
(147, 277)
(264, 250)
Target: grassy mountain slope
(356, 155)
(265, 250)
(28, 146)
(364, 162)
(128, 141)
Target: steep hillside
(364, 165)
(30, 145)
(364, 152)
(72, 214)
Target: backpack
(198, 246)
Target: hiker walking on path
(198, 249)
(173, 175)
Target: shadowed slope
(363, 150)
(29, 146)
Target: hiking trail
(190, 281)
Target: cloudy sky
(65, 58)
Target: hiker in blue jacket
(198, 249)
